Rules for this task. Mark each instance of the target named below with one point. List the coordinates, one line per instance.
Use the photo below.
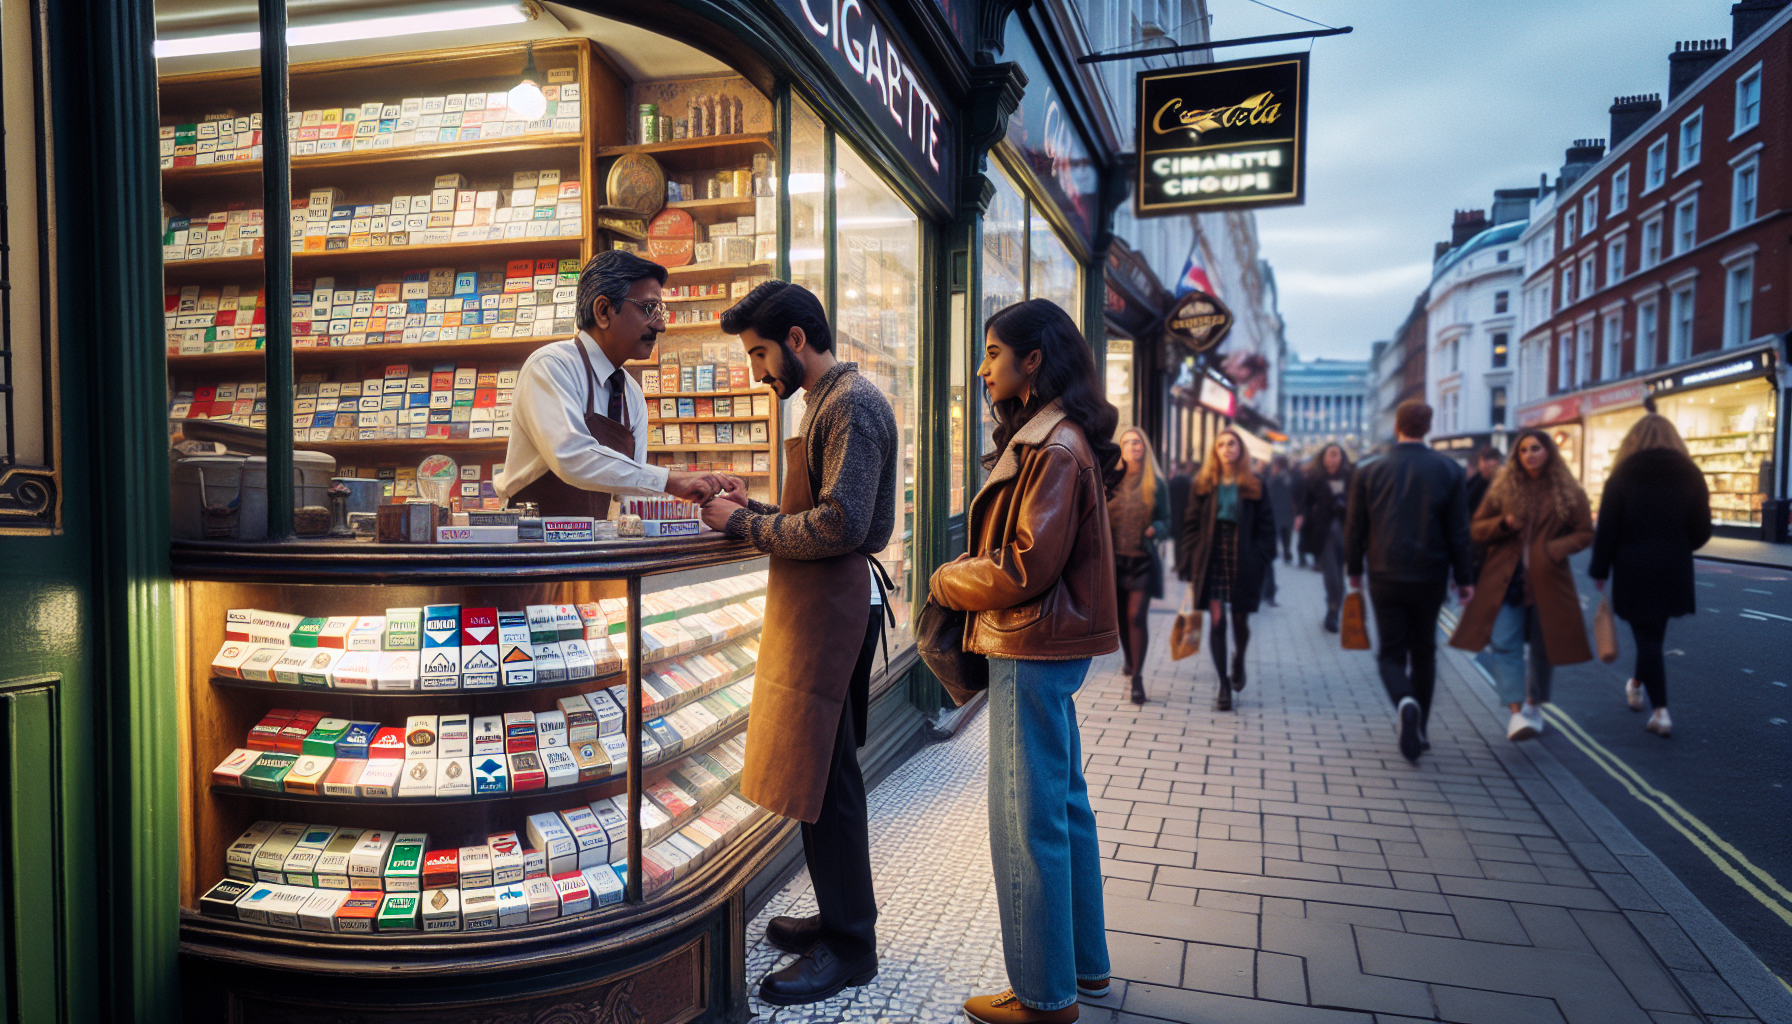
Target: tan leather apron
(556, 497)
(816, 613)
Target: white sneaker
(1633, 695)
(1533, 714)
(1518, 727)
(1660, 724)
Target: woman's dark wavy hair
(1066, 374)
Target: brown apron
(556, 497)
(816, 613)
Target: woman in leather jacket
(1039, 584)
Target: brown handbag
(1185, 635)
(1605, 632)
(1353, 626)
(939, 639)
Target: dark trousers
(1269, 581)
(837, 846)
(1406, 620)
(1651, 667)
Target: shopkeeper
(578, 430)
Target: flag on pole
(1194, 274)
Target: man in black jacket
(1408, 518)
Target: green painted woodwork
(32, 987)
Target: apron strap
(885, 587)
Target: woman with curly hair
(1534, 517)
(1228, 539)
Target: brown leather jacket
(1041, 584)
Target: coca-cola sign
(1222, 136)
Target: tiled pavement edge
(1284, 863)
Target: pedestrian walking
(1408, 522)
(1228, 538)
(1655, 512)
(1040, 582)
(1284, 487)
(1263, 471)
(1534, 517)
(1488, 463)
(1139, 513)
(1325, 498)
(1182, 476)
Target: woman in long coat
(1534, 517)
(1655, 512)
(1228, 538)
(1319, 516)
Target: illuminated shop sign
(1199, 321)
(1217, 395)
(1222, 136)
(1753, 365)
(875, 66)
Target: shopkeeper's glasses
(655, 310)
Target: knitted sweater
(851, 442)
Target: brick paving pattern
(1281, 863)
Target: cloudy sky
(1426, 109)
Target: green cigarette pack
(307, 632)
(322, 740)
(269, 772)
(398, 912)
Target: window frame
(1738, 124)
(1589, 274)
(1679, 342)
(1570, 225)
(1565, 361)
(1655, 165)
(1589, 210)
(1583, 353)
(1500, 346)
(1648, 323)
(1737, 326)
(1689, 207)
(1694, 121)
(1654, 225)
(1751, 168)
(1502, 302)
(1498, 406)
(1611, 349)
(1567, 285)
(1620, 190)
(1617, 253)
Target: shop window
(807, 188)
(1656, 165)
(1496, 410)
(1501, 302)
(1729, 432)
(1739, 294)
(1680, 325)
(1744, 185)
(1748, 100)
(1651, 254)
(1583, 355)
(1499, 350)
(1611, 362)
(1648, 333)
(1620, 190)
(1614, 262)
(1692, 131)
(1003, 269)
(1054, 271)
(1686, 225)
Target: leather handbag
(1353, 626)
(939, 637)
(1605, 632)
(1185, 635)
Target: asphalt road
(1728, 765)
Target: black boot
(794, 934)
(1223, 702)
(817, 975)
(1331, 618)
(1238, 670)
(1138, 689)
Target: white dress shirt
(547, 425)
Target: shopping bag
(1605, 632)
(1353, 628)
(1185, 635)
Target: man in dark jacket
(1282, 484)
(1408, 519)
(1487, 466)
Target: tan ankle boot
(1006, 1008)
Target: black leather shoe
(1331, 618)
(1223, 702)
(1238, 671)
(816, 975)
(1138, 690)
(794, 934)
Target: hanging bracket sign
(1198, 321)
(1222, 136)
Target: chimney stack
(1631, 112)
(1467, 225)
(1579, 159)
(1750, 15)
(1690, 60)
(1510, 204)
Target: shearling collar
(1032, 434)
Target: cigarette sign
(1222, 136)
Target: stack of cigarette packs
(452, 211)
(352, 880)
(231, 233)
(215, 139)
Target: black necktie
(616, 392)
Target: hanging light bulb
(526, 97)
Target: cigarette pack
(479, 647)
(479, 908)
(581, 721)
(323, 737)
(541, 623)
(398, 912)
(614, 821)
(526, 771)
(269, 771)
(550, 835)
(283, 903)
(535, 864)
(418, 778)
(292, 735)
(574, 891)
(388, 742)
(239, 860)
(404, 862)
(230, 658)
(592, 616)
(404, 629)
(352, 670)
(379, 779)
(561, 768)
(606, 888)
(335, 631)
(441, 869)
(305, 634)
(396, 670)
(356, 739)
(318, 914)
(543, 897)
(420, 736)
(567, 624)
(609, 713)
(307, 774)
(475, 867)
(513, 905)
(367, 860)
(454, 776)
(454, 736)
(252, 908)
(441, 910)
(593, 842)
(230, 771)
(271, 627)
(258, 667)
(488, 735)
(236, 623)
(332, 863)
(580, 665)
(270, 858)
(549, 666)
(491, 774)
(221, 899)
(507, 857)
(589, 759)
(476, 534)
(550, 729)
(615, 747)
(358, 911)
(519, 731)
(368, 635)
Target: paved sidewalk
(1284, 863)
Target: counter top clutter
(352, 880)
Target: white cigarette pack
(270, 859)
(609, 713)
(258, 667)
(544, 899)
(550, 667)
(454, 736)
(475, 867)
(614, 821)
(355, 670)
(420, 736)
(335, 631)
(284, 903)
(479, 908)
(575, 893)
(592, 840)
(550, 729)
(561, 768)
(379, 780)
(606, 888)
(419, 778)
(301, 863)
(367, 860)
(535, 863)
(513, 905)
(229, 660)
(318, 914)
(252, 909)
(516, 652)
(507, 857)
(369, 633)
(454, 776)
(397, 670)
(488, 735)
(580, 665)
(239, 860)
(581, 721)
(550, 835)
(332, 864)
(441, 910)
(491, 773)
(230, 771)
(441, 668)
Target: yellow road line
(1598, 755)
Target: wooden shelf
(651, 395)
(707, 419)
(483, 348)
(711, 152)
(311, 264)
(701, 269)
(733, 206)
(475, 149)
(712, 447)
(411, 444)
(694, 298)
(709, 325)
(309, 692)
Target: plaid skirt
(1222, 564)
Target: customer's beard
(789, 378)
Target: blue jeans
(1042, 833)
(1504, 657)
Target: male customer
(1408, 518)
(823, 619)
(579, 421)
(1283, 484)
